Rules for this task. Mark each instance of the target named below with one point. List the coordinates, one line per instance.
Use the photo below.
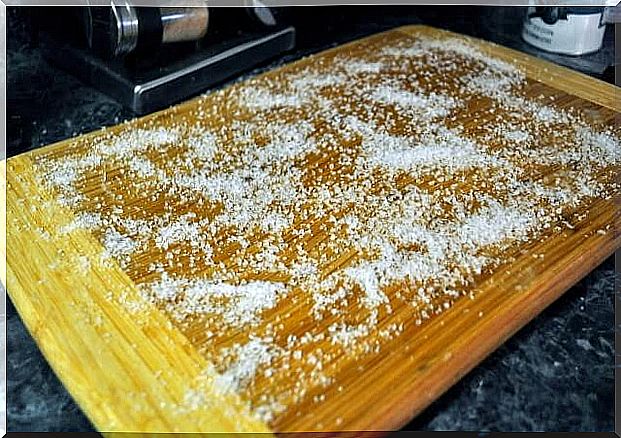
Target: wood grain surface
(143, 370)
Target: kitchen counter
(556, 374)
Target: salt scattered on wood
(264, 99)
(517, 135)
(116, 244)
(83, 220)
(356, 66)
(238, 305)
(250, 357)
(380, 176)
(431, 105)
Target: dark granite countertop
(556, 374)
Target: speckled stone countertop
(556, 374)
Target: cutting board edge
(55, 351)
(569, 277)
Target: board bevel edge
(91, 343)
(598, 248)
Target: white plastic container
(565, 30)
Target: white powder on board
(264, 99)
(250, 357)
(356, 66)
(366, 277)
(203, 144)
(496, 223)
(305, 80)
(444, 148)
(180, 230)
(62, 176)
(432, 105)
(83, 220)
(601, 147)
(142, 166)
(117, 244)
(137, 140)
(379, 177)
(517, 135)
(237, 304)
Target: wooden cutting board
(328, 246)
